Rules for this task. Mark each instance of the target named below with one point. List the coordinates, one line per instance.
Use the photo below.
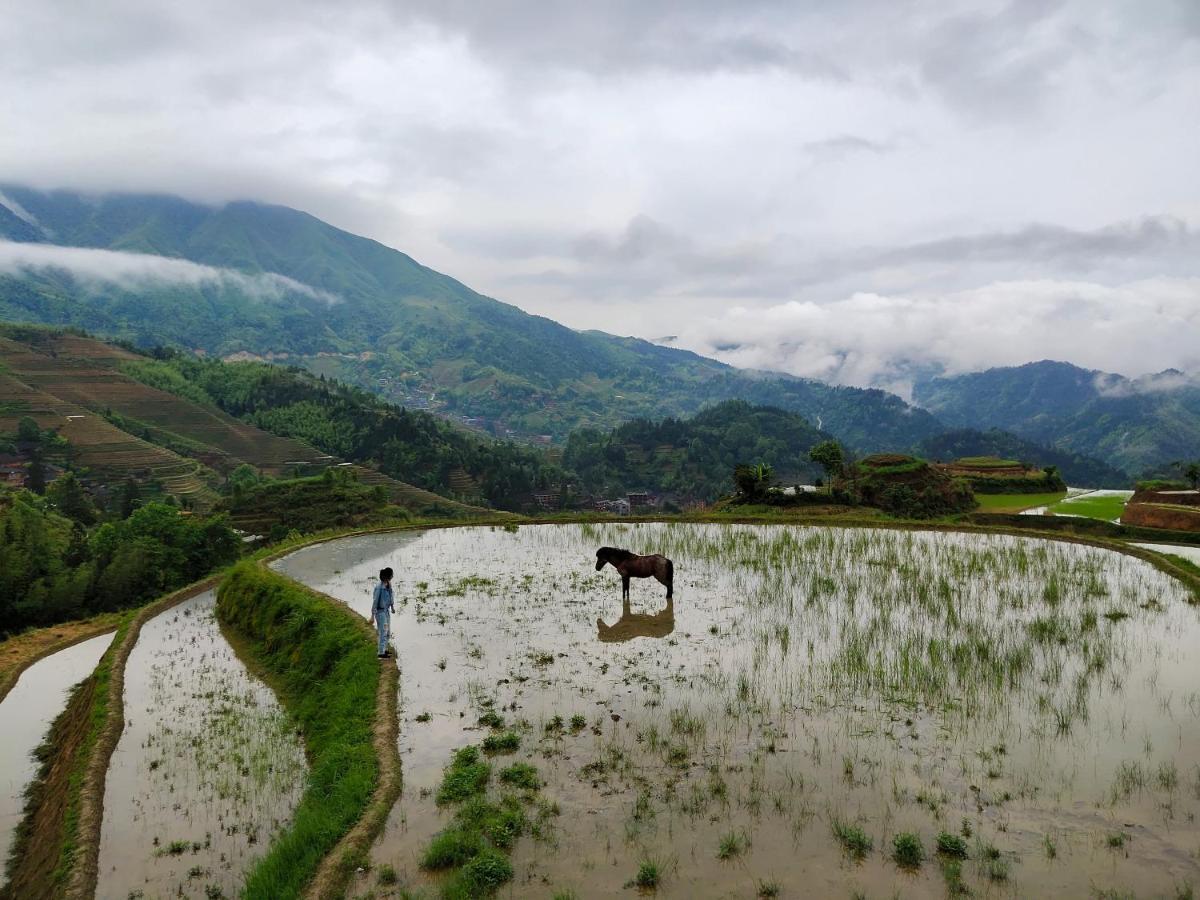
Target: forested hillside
(246, 277)
(1076, 468)
(693, 458)
(1136, 425)
(347, 422)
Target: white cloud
(630, 165)
(140, 271)
(871, 339)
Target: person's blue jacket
(383, 602)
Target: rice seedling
(907, 850)
(856, 842)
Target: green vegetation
(521, 775)
(1016, 502)
(951, 845)
(54, 568)
(1075, 411)
(333, 499)
(323, 661)
(649, 874)
(466, 776)
(907, 850)
(856, 842)
(347, 422)
(991, 447)
(1107, 508)
(483, 831)
(907, 487)
(691, 458)
(387, 323)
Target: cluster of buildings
(635, 501)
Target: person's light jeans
(383, 621)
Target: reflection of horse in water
(630, 565)
(632, 625)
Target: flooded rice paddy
(813, 700)
(207, 770)
(25, 716)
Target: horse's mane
(615, 553)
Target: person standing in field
(382, 608)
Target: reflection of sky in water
(25, 716)
(764, 622)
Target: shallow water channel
(1038, 700)
(208, 768)
(25, 716)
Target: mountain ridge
(399, 328)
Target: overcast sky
(852, 191)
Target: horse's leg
(625, 588)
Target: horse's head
(601, 558)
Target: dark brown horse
(630, 565)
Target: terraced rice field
(26, 713)
(820, 712)
(208, 768)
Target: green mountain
(1136, 425)
(1076, 468)
(284, 284)
(693, 459)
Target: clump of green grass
(424, 717)
(996, 870)
(732, 844)
(649, 874)
(578, 722)
(952, 874)
(521, 775)
(907, 850)
(1116, 840)
(856, 842)
(501, 823)
(492, 719)
(768, 889)
(452, 847)
(466, 776)
(951, 845)
(506, 742)
(481, 876)
(387, 874)
(555, 725)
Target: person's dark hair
(385, 574)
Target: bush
(907, 850)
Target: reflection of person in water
(632, 625)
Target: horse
(630, 565)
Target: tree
(28, 431)
(830, 457)
(1192, 473)
(37, 474)
(129, 499)
(69, 497)
(753, 481)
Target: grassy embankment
(321, 659)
